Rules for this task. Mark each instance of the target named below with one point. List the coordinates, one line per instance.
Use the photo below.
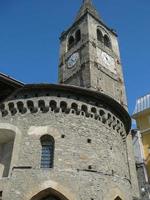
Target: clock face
(106, 60)
(73, 60)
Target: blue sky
(30, 30)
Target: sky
(30, 30)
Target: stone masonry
(90, 159)
(92, 152)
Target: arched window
(118, 198)
(78, 35)
(70, 42)
(107, 41)
(47, 153)
(99, 35)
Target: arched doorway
(49, 194)
(50, 197)
(118, 198)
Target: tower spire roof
(87, 6)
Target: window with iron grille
(47, 152)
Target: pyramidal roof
(87, 6)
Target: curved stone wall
(90, 155)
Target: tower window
(99, 35)
(47, 154)
(78, 36)
(107, 42)
(70, 42)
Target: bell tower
(90, 57)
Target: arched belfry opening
(107, 41)
(49, 194)
(99, 35)
(71, 41)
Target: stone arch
(74, 106)
(42, 106)
(49, 187)
(31, 106)
(21, 107)
(118, 198)
(12, 108)
(93, 110)
(3, 110)
(47, 193)
(115, 194)
(53, 105)
(63, 106)
(10, 134)
(84, 108)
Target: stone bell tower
(90, 57)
